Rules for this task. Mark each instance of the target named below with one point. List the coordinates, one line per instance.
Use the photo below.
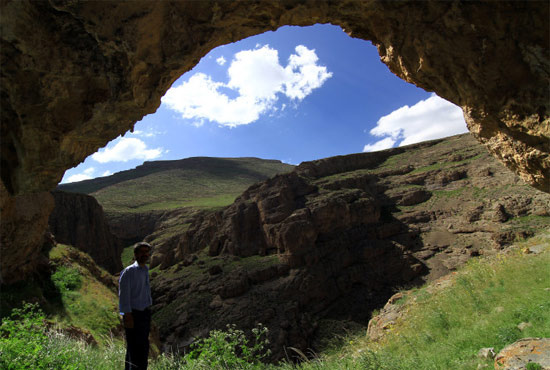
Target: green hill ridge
(202, 182)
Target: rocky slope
(78, 220)
(333, 239)
(145, 199)
(98, 67)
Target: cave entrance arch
(119, 58)
(296, 94)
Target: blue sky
(296, 94)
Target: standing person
(134, 295)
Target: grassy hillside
(193, 182)
(443, 325)
(78, 297)
(88, 302)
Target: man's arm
(124, 290)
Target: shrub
(27, 343)
(229, 349)
(67, 279)
(23, 338)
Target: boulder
(522, 352)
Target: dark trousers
(137, 341)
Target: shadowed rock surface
(75, 75)
(78, 220)
(333, 239)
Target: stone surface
(134, 227)
(517, 355)
(75, 75)
(486, 353)
(24, 221)
(78, 220)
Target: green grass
(530, 220)
(530, 224)
(394, 161)
(87, 303)
(342, 176)
(445, 328)
(214, 201)
(445, 164)
(72, 298)
(26, 343)
(127, 256)
(449, 193)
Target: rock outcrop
(98, 67)
(78, 220)
(334, 238)
(524, 351)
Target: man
(134, 303)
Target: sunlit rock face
(75, 75)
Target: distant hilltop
(257, 168)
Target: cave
(76, 75)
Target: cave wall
(75, 75)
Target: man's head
(142, 252)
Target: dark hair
(140, 245)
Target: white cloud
(428, 119)
(87, 174)
(257, 77)
(106, 173)
(78, 177)
(304, 73)
(221, 60)
(257, 73)
(137, 133)
(380, 145)
(150, 133)
(126, 149)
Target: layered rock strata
(78, 220)
(333, 240)
(75, 75)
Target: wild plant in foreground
(27, 341)
(229, 349)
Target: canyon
(318, 249)
(75, 75)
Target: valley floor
(490, 302)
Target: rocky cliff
(333, 240)
(78, 220)
(98, 67)
(153, 199)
